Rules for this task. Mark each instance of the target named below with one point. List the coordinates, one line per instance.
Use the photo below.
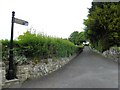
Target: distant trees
(73, 37)
(81, 38)
(77, 38)
(103, 25)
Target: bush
(38, 46)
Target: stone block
(9, 83)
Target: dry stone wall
(25, 72)
(41, 69)
(2, 74)
(113, 53)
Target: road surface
(88, 70)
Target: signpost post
(11, 73)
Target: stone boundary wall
(112, 53)
(25, 72)
(2, 74)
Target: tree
(77, 38)
(73, 37)
(81, 38)
(102, 26)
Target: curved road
(88, 70)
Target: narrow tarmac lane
(88, 70)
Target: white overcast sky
(53, 17)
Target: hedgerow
(38, 46)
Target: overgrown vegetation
(103, 25)
(37, 47)
(77, 38)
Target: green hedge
(39, 46)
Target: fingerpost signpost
(11, 73)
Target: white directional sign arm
(19, 21)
